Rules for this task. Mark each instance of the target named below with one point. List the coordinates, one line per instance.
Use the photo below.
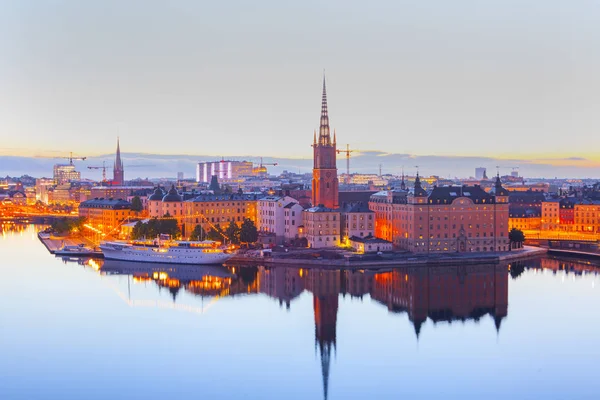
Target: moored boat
(170, 252)
(80, 250)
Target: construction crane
(104, 167)
(71, 158)
(260, 170)
(347, 152)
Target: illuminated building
(550, 220)
(65, 173)
(325, 180)
(15, 197)
(321, 226)
(225, 170)
(118, 192)
(367, 179)
(387, 205)
(118, 170)
(357, 220)
(209, 210)
(105, 215)
(448, 219)
(587, 216)
(525, 210)
(69, 193)
(279, 215)
(161, 204)
(369, 244)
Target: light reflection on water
(452, 331)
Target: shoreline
(407, 261)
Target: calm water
(126, 331)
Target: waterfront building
(280, 216)
(118, 169)
(357, 220)
(106, 215)
(325, 179)
(447, 219)
(271, 216)
(525, 209)
(321, 226)
(550, 219)
(387, 205)
(209, 210)
(587, 216)
(65, 173)
(369, 244)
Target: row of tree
(155, 227)
(246, 233)
(67, 225)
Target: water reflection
(425, 297)
(441, 294)
(556, 264)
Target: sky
(504, 79)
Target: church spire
(324, 137)
(118, 170)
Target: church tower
(118, 172)
(325, 179)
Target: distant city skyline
(501, 80)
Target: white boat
(169, 252)
(80, 250)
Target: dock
(54, 243)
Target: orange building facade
(449, 219)
(106, 215)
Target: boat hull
(164, 256)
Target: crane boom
(71, 158)
(347, 151)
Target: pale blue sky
(485, 78)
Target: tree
(248, 232)
(215, 233)
(136, 204)
(155, 227)
(517, 237)
(169, 226)
(198, 233)
(233, 232)
(214, 184)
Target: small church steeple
(118, 170)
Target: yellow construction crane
(71, 158)
(347, 152)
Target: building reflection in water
(555, 264)
(441, 294)
(445, 294)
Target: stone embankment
(386, 260)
